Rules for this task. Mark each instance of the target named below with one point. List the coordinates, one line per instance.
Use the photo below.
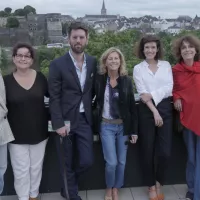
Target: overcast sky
(128, 8)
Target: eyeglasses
(20, 57)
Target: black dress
(27, 114)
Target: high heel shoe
(160, 195)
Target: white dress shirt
(81, 76)
(106, 105)
(159, 85)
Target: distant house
(162, 24)
(99, 28)
(112, 26)
(174, 29)
(66, 18)
(183, 21)
(146, 21)
(3, 21)
(184, 18)
(189, 28)
(196, 23)
(102, 17)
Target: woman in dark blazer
(115, 117)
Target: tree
(8, 10)
(3, 60)
(126, 41)
(3, 14)
(29, 9)
(12, 22)
(45, 67)
(19, 12)
(45, 56)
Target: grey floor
(172, 192)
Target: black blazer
(65, 91)
(127, 107)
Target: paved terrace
(172, 192)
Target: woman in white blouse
(154, 83)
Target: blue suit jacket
(65, 91)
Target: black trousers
(78, 152)
(155, 142)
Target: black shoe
(78, 198)
(62, 193)
(189, 196)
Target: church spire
(103, 6)
(103, 10)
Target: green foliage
(3, 60)
(12, 22)
(8, 10)
(126, 41)
(3, 13)
(98, 43)
(29, 9)
(45, 67)
(19, 12)
(45, 56)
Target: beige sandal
(108, 198)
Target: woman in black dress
(25, 92)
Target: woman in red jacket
(186, 94)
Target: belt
(113, 121)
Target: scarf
(187, 88)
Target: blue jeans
(192, 142)
(114, 150)
(3, 165)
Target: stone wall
(54, 28)
(10, 36)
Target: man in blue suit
(71, 80)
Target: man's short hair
(76, 26)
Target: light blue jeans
(3, 165)
(114, 150)
(192, 142)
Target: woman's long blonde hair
(104, 56)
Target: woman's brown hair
(192, 40)
(147, 39)
(23, 45)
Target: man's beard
(78, 50)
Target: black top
(27, 114)
(113, 100)
(126, 104)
